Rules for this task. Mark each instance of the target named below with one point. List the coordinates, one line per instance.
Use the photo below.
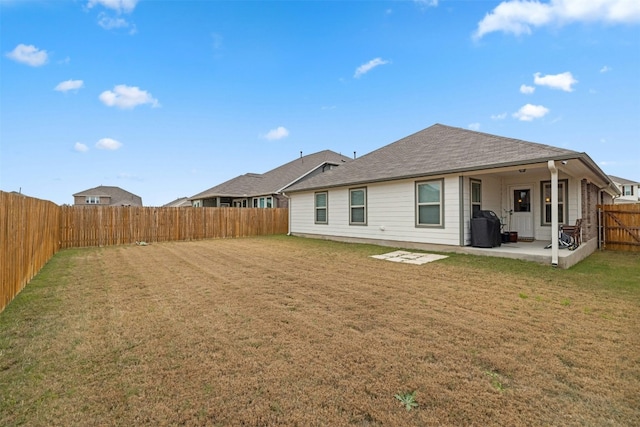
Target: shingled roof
(119, 197)
(623, 181)
(273, 181)
(436, 150)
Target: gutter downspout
(554, 212)
(288, 212)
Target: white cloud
(605, 69)
(108, 144)
(529, 112)
(119, 6)
(69, 85)
(29, 54)
(527, 89)
(127, 97)
(426, 3)
(109, 23)
(500, 116)
(365, 68)
(519, 16)
(474, 126)
(80, 147)
(277, 133)
(562, 81)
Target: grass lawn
(290, 331)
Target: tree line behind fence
(33, 230)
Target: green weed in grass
(408, 400)
(495, 381)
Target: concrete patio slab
(409, 257)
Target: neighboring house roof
(437, 150)
(178, 203)
(623, 181)
(275, 180)
(119, 197)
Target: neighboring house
(630, 190)
(265, 190)
(106, 196)
(180, 202)
(424, 189)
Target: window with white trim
(263, 202)
(358, 206)
(429, 203)
(562, 202)
(476, 196)
(321, 206)
(92, 200)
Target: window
(627, 190)
(358, 206)
(546, 202)
(92, 200)
(476, 196)
(522, 200)
(321, 208)
(263, 202)
(429, 209)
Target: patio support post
(554, 212)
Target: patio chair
(575, 232)
(565, 241)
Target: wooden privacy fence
(33, 230)
(29, 231)
(620, 227)
(107, 225)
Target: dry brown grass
(286, 331)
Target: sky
(166, 99)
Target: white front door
(522, 207)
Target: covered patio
(535, 251)
(537, 201)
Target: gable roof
(178, 203)
(437, 150)
(119, 197)
(623, 181)
(273, 181)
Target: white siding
(391, 214)
(534, 179)
(391, 205)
